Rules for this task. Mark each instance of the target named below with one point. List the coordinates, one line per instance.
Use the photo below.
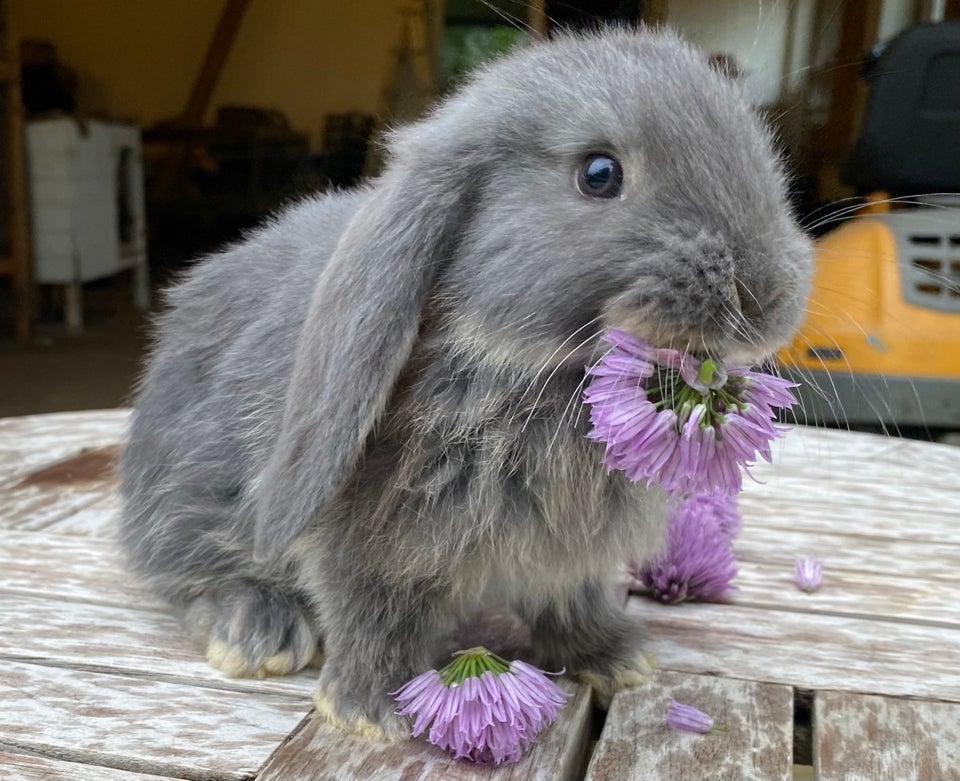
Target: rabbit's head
(606, 180)
(618, 180)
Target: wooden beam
(858, 33)
(203, 87)
(213, 62)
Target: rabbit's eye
(600, 176)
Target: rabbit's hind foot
(253, 630)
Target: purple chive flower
(481, 707)
(689, 719)
(698, 561)
(808, 574)
(685, 424)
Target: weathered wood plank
(98, 519)
(32, 442)
(830, 481)
(319, 752)
(23, 767)
(144, 644)
(636, 742)
(35, 504)
(141, 725)
(856, 453)
(816, 505)
(854, 594)
(864, 738)
(852, 552)
(805, 651)
(70, 567)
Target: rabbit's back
(212, 395)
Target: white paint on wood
(71, 568)
(140, 643)
(866, 554)
(37, 507)
(320, 752)
(805, 651)
(855, 594)
(98, 519)
(864, 738)
(24, 767)
(636, 742)
(31, 442)
(141, 725)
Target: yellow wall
(308, 58)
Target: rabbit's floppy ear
(360, 330)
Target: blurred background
(137, 135)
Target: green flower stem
(472, 663)
(707, 371)
(670, 391)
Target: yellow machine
(881, 341)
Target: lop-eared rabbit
(363, 422)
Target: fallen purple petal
(688, 718)
(808, 574)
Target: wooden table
(861, 679)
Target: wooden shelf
(9, 71)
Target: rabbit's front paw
(620, 675)
(375, 720)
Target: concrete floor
(96, 370)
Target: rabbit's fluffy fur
(365, 418)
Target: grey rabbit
(363, 421)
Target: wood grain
(33, 442)
(70, 567)
(35, 507)
(24, 767)
(320, 752)
(863, 553)
(141, 725)
(849, 593)
(636, 742)
(96, 672)
(98, 519)
(864, 738)
(108, 638)
(805, 651)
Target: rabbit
(363, 421)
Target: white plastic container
(87, 206)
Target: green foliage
(468, 46)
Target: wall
(774, 40)
(308, 58)
(756, 32)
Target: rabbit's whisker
(546, 382)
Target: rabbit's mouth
(698, 342)
(724, 334)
